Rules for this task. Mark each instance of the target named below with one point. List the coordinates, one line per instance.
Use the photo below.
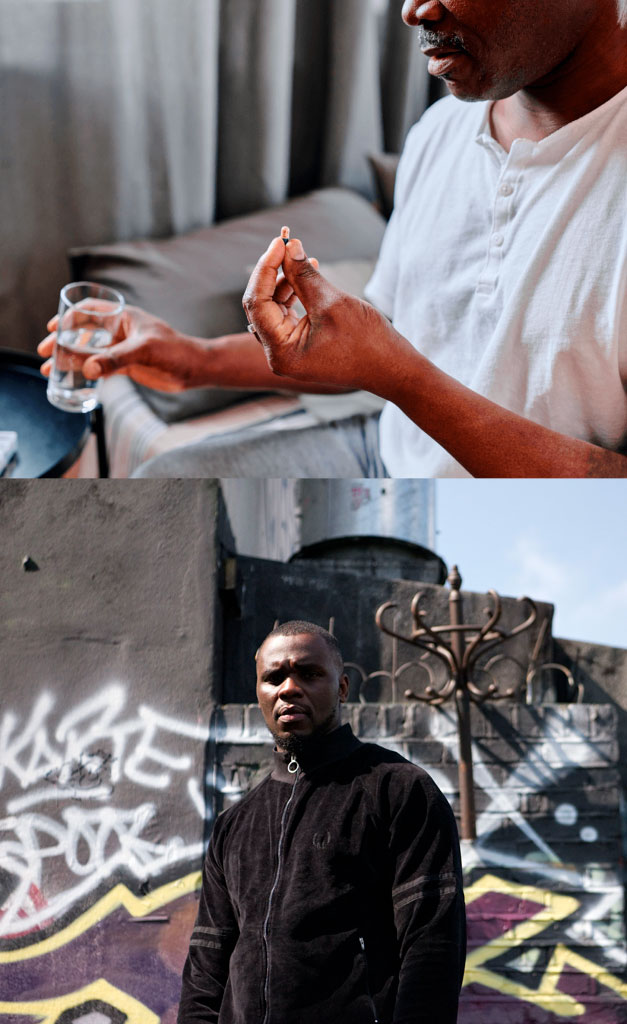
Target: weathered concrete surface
(125, 587)
(108, 670)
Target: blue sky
(563, 541)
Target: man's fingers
(259, 297)
(303, 275)
(263, 280)
(112, 359)
(283, 292)
(107, 361)
(46, 347)
(97, 305)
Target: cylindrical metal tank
(402, 510)
(382, 527)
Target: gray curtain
(140, 118)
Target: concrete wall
(107, 639)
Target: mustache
(428, 39)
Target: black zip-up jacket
(331, 893)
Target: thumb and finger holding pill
(265, 286)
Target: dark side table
(49, 440)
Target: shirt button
(497, 240)
(506, 190)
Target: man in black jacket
(332, 891)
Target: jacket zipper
(370, 999)
(294, 769)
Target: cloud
(588, 605)
(600, 614)
(537, 573)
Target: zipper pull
(293, 766)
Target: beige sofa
(195, 282)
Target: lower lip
(446, 63)
(295, 716)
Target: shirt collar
(555, 145)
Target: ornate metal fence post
(466, 644)
(462, 701)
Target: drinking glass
(89, 316)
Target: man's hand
(346, 343)
(340, 341)
(144, 348)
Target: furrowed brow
(280, 671)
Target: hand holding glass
(89, 317)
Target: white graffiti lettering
(66, 823)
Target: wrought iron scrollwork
(461, 662)
(459, 650)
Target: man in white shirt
(504, 268)
(496, 293)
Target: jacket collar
(334, 746)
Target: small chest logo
(321, 840)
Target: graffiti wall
(107, 623)
(99, 882)
(85, 847)
(544, 880)
(112, 769)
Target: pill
(285, 234)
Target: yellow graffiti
(555, 907)
(119, 896)
(48, 1010)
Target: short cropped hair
(298, 627)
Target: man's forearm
(345, 340)
(488, 440)
(238, 361)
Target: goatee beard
(298, 746)
(294, 745)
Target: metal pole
(462, 703)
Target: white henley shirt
(509, 272)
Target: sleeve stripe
(205, 943)
(202, 929)
(447, 891)
(423, 881)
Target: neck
(591, 75)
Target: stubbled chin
(300, 729)
(469, 91)
(478, 86)
(460, 94)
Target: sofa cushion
(195, 281)
(384, 167)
